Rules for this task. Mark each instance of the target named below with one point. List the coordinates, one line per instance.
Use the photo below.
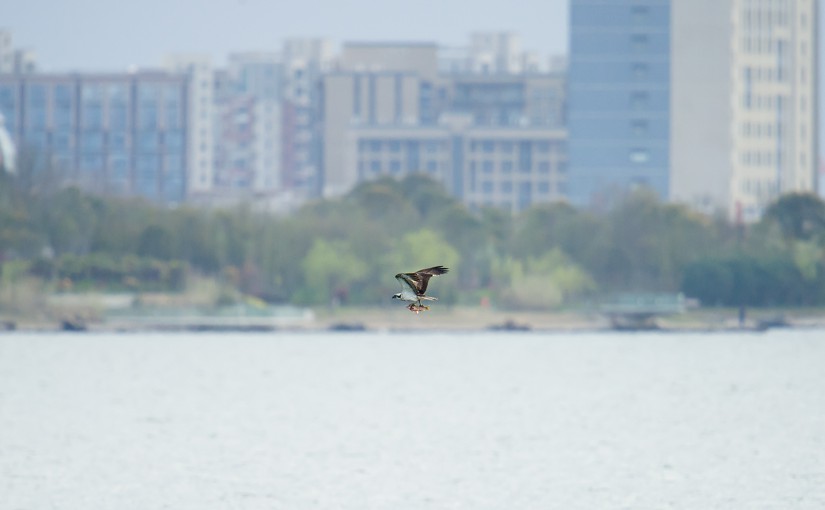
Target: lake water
(412, 421)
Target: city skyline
(600, 28)
(219, 28)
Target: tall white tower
(744, 103)
(200, 152)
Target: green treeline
(347, 250)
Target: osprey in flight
(414, 285)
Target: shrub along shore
(344, 252)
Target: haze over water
(380, 421)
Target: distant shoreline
(455, 319)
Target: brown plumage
(419, 279)
(414, 285)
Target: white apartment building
(248, 123)
(743, 104)
(200, 155)
(496, 52)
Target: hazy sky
(111, 35)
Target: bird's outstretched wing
(419, 279)
(407, 284)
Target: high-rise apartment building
(304, 62)
(247, 156)
(507, 167)
(494, 53)
(200, 112)
(266, 124)
(248, 125)
(297, 123)
(376, 84)
(120, 134)
(535, 100)
(352, 99)
(712, 103)
(744, 104)
(492, 138)
(619, 98)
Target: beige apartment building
(513, 168)
(353, 99)
(509, 168)
(744, 103)
(493, 138)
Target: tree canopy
(348, 249)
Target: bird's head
(396, 296)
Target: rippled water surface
(406, 421)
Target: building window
(639, 156)
(638, 100)
(639, 127)
(638, 42)
(639, 70)
(639, 13)
(413, 156)
(506, 167)
(62, 141)
(487, 166)
(525, 160)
